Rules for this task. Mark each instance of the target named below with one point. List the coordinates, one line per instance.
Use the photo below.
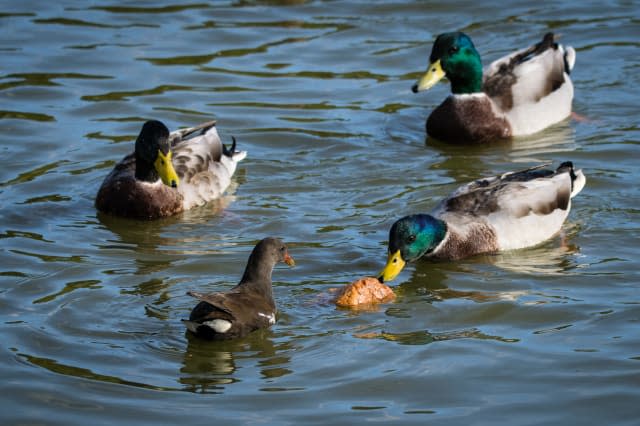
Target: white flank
(529, 113)
(533, 117)
(530, 230)
(218, 325)
(517, 232)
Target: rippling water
(319, 95)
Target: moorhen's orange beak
(289, 260)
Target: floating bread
(365, 291)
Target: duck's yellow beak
(434, 74)
(165, 169)
(395, 264)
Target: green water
(319, 94)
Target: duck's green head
(453, 56)
(410, 238)
(153, 155)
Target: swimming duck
(246, 307)
(505, 212)
(169, 172)
(517, 95)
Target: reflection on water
(432, 287)
(423, 337)
(558, 141)
(151, 236)
(69, 287)
(466, 163)
(84, 373)
(209, 367)
(537, 148)
(552, 257)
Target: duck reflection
(151, 248)
(424, 337)
(554, 257)
(428, 284)
(465, 163)
(211, 366)
(208, 366)
(429, 281)
(147, 236)
(558, 138)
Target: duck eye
(411, 238)
(453, 49)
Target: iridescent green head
(410, 238)
(453, 56)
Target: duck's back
(532, 86)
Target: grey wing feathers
(218, 300)
(519, 192)
(179, 135)
(536, 71)
(198, 153)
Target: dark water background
(318, 93)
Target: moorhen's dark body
(246, 307)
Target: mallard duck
(246, 307)
(169, 172)
(505, 212)
(517, 95)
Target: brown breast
(470, 121)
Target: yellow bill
(395, 264)
(165, 169)
(434, 74)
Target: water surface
(318, 93)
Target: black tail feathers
(229, 152)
